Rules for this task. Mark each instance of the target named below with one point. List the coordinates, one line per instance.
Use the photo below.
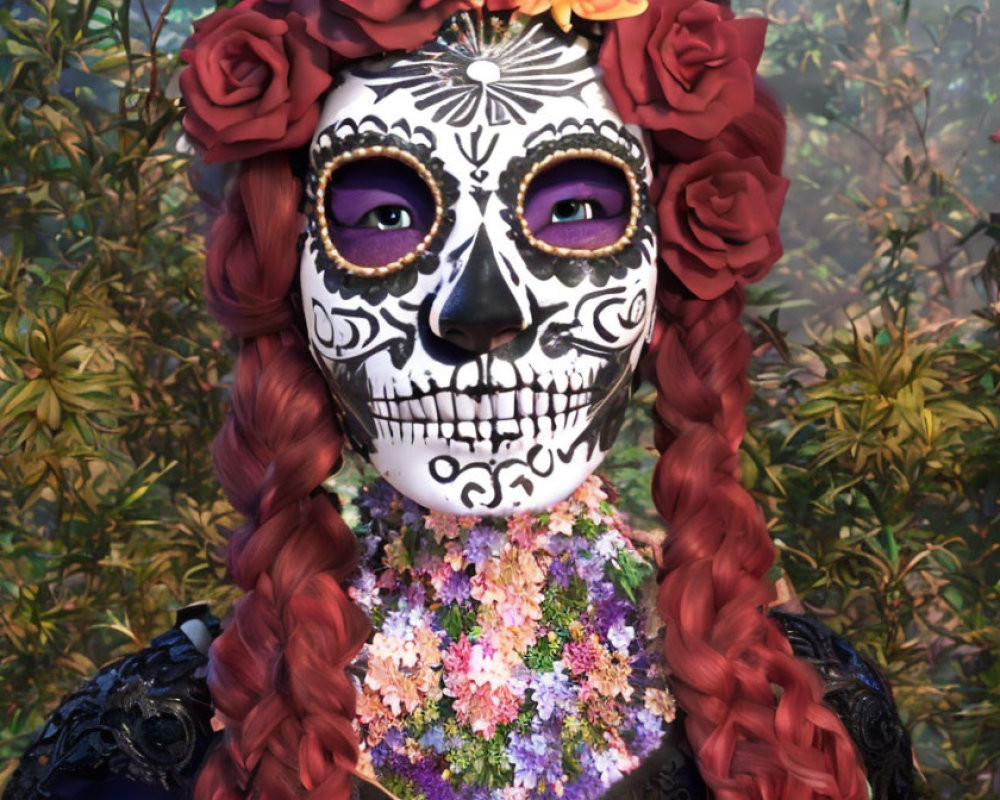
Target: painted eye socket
(580, 203)
(378, 210)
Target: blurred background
(873, 441)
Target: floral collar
(511, 658)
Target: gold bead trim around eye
(569, 155)
(375, 151)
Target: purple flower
(425, 775)
(483, 544)
(394, 738)
(551, 691)
(620, 635)
(603, 591)
(400, 623)
(535, 757)
(609, 545)
(364, 592)
(590, 570)
(370, 544)
(434, 739)
(561, 572)
(647, 730)
(414, 595)
(378, 499)
(587, 785)
(610, 612)
(562, 544)
(413, 513)
(606, 765)
(456, 589)
(379, 755)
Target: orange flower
(562, 10)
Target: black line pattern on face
(348, 377)
(571, 270)
(606, 128)
(525, 56)
(347, 284)
(475, 154)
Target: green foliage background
(873, 444)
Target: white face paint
(485, 283)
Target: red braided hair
(754, 714)
(277, 673)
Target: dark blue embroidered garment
(141, 728)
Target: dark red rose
(356, 29)
(719, 221)
(684, 65)
(252, 84)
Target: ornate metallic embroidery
(863, 701)
(142, 720)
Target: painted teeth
(507, 427)
(446, 406)
(465, 407)
(525, 402)
(548, 403)
(466, 430)
(503, 405)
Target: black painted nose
(481, 313)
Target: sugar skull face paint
(479, 265)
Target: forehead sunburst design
(505, 67)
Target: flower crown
(682, 69)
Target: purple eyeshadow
(362, 186)
(579, 179)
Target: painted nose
(480, 313)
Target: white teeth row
(414, 430)
(503, 377)
(448, 407)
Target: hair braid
(755, 714)
(724, 654)
(277, 673)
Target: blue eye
(386, 218)
(575, 210)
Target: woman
(492, 246)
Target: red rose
(684, 65)
(252, 84)
(719, 221)
(360, 28)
